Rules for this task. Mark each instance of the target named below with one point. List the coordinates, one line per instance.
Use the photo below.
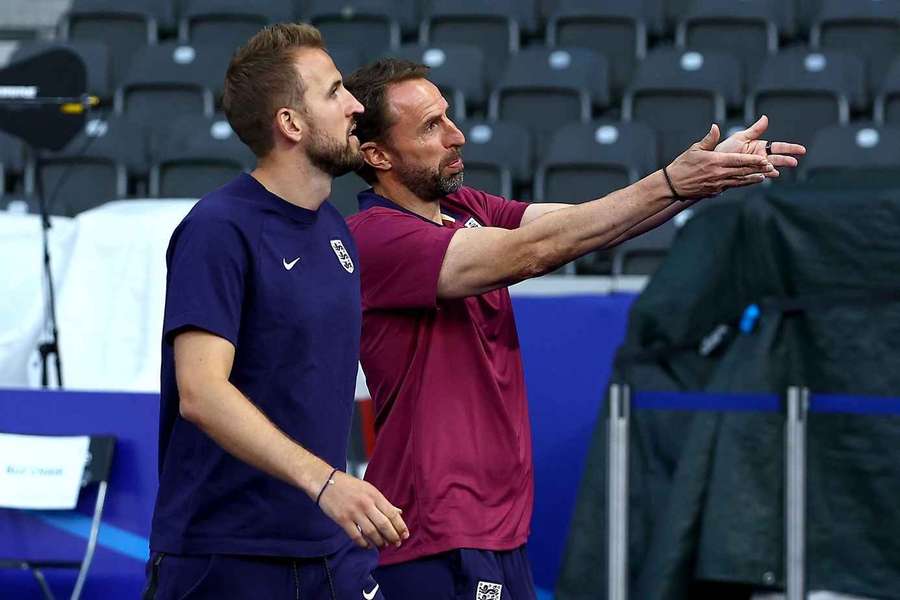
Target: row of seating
(677, 92)
(112, 159)
(618, 29)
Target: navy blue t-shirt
(281, 284)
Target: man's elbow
(191, 402)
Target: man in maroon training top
(439, 344)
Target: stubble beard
(427, 183)
(331, 156)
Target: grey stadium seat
(643, 254)
(492, 26)
(497, 155)
(747, 29)
(855, 155)
(545, 88)
(887, 102)
(346, 58)
(615, 29)
(91, 170)
(371, 26)
(680, 94)
(229, 22)
(590, 160)
(870, 28)
(196, 155)
(803, 91)
(123, 25)
(171, 79)
(456, 69)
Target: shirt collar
(370, 199)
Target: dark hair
(369, 84)
(262, 78)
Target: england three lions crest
(343, 255)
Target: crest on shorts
(488, 591)
(342, 255)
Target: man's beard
(426, 183)
(330, 156)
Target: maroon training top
(453, 448)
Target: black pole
(47, 348)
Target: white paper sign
(41, 472)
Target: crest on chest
(342, 255)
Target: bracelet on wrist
(675, 195)
(329, 481)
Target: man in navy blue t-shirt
(259, 355)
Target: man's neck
(402, 196)
(293, 180)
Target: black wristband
(325, 485)
(675, 194)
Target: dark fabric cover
(707, 488)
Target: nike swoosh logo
(289, 265)
(370, 595)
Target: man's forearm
(237, 425)
(563, 235)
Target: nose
(354, 106)
(456, 137)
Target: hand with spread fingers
(362, 511)
(779, 154)
(705, 169)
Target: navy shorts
(464, 574)
(344, 575)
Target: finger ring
(768, 148)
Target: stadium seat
(343, 193)
(589, 160)
(453, 68)
(643, 254)
(680, 94)
(616, 29)
(229, 22)
(196, 155)
(887, 102)
(171, 79)
(91, 170)
(371, 26)
(494, 27)
(747, 29)
(869, 28)
(859, 154)
(545, 88)
(497, 155)
(805, 12)
(803, 91)
(95, 55)
(123, 25)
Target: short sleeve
(207, 265)
(400, 259)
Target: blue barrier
(706, 401)
(856, 405)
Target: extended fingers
(788, 148)
(736, 159)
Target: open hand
(748, 142)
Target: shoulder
(378, 217)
